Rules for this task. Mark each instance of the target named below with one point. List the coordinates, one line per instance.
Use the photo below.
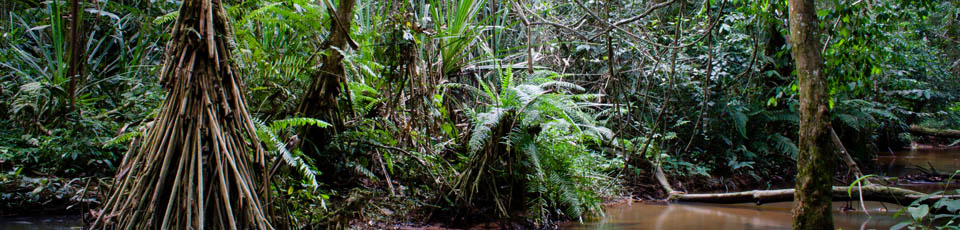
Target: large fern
(546, 127)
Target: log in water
(693, 216)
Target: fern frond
(881, 113)
(484, 123)
(279, 125)
(784, 116)
(785, 145)
(739, 121)
(567, 195)
(122, 138)
(468, 88)
(561, 85)
(506, 79)
(360, 169)
(260, 14)
(268, 136)
(849, 120)
(533, 156)
(586, 97)
(528, 93)
(163, 19)
(489, 92)
(602, 132)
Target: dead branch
(870, 192)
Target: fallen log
(870, 193)
(916, 129)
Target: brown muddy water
(945, 161)
(40, 223)
(689, 216)
(693, 216)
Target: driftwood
(870, 192)
(951, 133)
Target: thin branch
(543, 21)
(638, 38)
(644, 14)
(523, 18)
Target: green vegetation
(371, 114)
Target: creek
(40, 222)
(694, 216)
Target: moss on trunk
(815, 160)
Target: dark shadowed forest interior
(479, 114)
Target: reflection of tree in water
(737, 216)
(903, 162)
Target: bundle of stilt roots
(195, 167)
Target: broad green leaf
(919, 212)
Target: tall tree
(75, 45)
(192, 169)
(814, 161)
(320, 100)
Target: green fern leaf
(279, 125)
(739, 121)
(163, 19)
(785, 145)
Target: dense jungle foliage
(467, 111)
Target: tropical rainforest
(448, 114)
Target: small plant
(62, 130)
(942, 214)
(299, 198)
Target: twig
(386, 174)
(638, 38)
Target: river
(684, 216)
(40, 223)
(694, 216)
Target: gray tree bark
(815, 167)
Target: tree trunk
(320, 100)
(192, 168)
(75, 45)
(814, 162)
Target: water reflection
(40, 222)
(902, 163)
(777, 215)
(741, 216)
